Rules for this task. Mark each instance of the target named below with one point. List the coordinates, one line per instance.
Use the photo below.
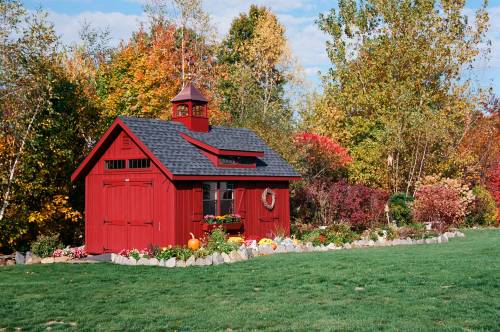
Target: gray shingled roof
(183, 158)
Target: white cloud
(120, 25)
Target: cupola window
(199, 110)
(182, 110)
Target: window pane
(227, 198)
(182, 110)
(198, 110)
(114, 164)
(139, 163)
(209, 198)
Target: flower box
(233, 226)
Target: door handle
(149, 222)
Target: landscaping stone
(249, 253)
(234, 256)
(154, 262)
(289, 248)
(243, 254)
(265, 249)
(47, 260)
(131, 261)
(217, 258)
(10, 262)
(459, 234)
(171, 262)
(421, 241)
(143, 261)
(209, 260)
(62, 259)
(432, 240)
(331, 246)
(99, 258)
(20, 258)
(226, 258)
(280, 249)
(32, 259)
(190, 261)
(347, 246)
(179, 263)
(371, 243)
(199, 262)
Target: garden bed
(245, 252)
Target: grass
(453, 286)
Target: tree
(394, 93)
(255, 67)
(144, 73)
(28, 46)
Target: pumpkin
(193, 243)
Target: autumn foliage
(320, 156)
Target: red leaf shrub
(320, 156)
(362, 207)
(440, 205)
(323, 203)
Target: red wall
(258, 221)
(133, 208)
(129, 207)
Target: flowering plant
(225, 219)
(136, 253)
(77, 252)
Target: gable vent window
(126, 143)
(115, 164)
(139, 163)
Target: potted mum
(230, 222)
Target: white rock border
(245, 253)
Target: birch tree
(27, 47)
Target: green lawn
(453, 286)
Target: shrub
(360, 206)
(484, 209)
(45, 245)
(323, 203)
(336, 233)
(320, 156)
(400, 208)
(440, 205)
(216, 241)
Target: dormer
(189, 107)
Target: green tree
(395, 95)
(255, 68)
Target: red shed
(152, 181)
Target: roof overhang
(221, 152)
(104, 143)
(234, 178)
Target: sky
(307, 42)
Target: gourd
(193, 243)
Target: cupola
(189, 107)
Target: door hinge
(106, 222)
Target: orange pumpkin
(193, 243)
(274, 245)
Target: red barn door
(128, 215)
